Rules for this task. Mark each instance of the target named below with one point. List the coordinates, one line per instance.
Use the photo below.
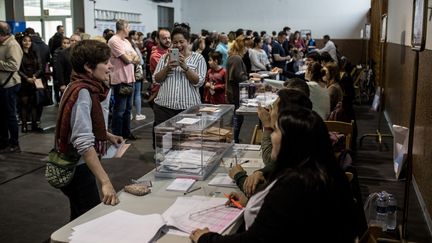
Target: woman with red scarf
(81, 126)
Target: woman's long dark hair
(305, 146)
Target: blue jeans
(137, 97)
(121, 113)
(8, 111)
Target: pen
(244, 162)
(195, 189)
(234, 202)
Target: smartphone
(174, 54)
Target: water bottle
(381, 211)
(391, 212)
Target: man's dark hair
(286, 28)
(282, 33)
(248, 32)
(58, 27)
(90, 52)
(204, 32)
(106, 31)
(326, 37)
(273, 32)
(216, 56)
(262, 33)
(315, 56)
(239, 32)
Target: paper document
(190, 213)
(181, 184)
(222, 180)
(188, 121)
(116, 151)
(38, 83)
(251, 162)
(118, 227)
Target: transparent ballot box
(192, 143)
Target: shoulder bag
(60, 168)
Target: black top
(63, 67)
(297, 210)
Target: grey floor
(30, 209)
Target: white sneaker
(140, 117)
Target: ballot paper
(181, 184)
(222, 180)
(118, 227)
(116, 151)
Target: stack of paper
(181, 184)
(117, 227)
(222, 180)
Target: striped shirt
(176, 91)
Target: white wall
(341, 19)
(400, 21)
(146, 8)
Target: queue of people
(301, 186)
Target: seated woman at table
(81, 126)
(309, 197)
(295, 95)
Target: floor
(30, 209)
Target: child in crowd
(214, 92)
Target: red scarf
(98, 92)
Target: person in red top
(214, 92)
(163, 39)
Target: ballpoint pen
(244, 162)
(192, 190)
(234, 202)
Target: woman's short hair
(90, 52)
(183, 29)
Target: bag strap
(7, 80)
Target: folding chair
(342, 127)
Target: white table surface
(157, 201)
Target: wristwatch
(187, 69)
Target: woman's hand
(236, 169)
(114, 139)
(182, 62)
(196, 234)
(208, 84)
(252, 181)
(239, 197)
(264, 116)
(109, 194)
